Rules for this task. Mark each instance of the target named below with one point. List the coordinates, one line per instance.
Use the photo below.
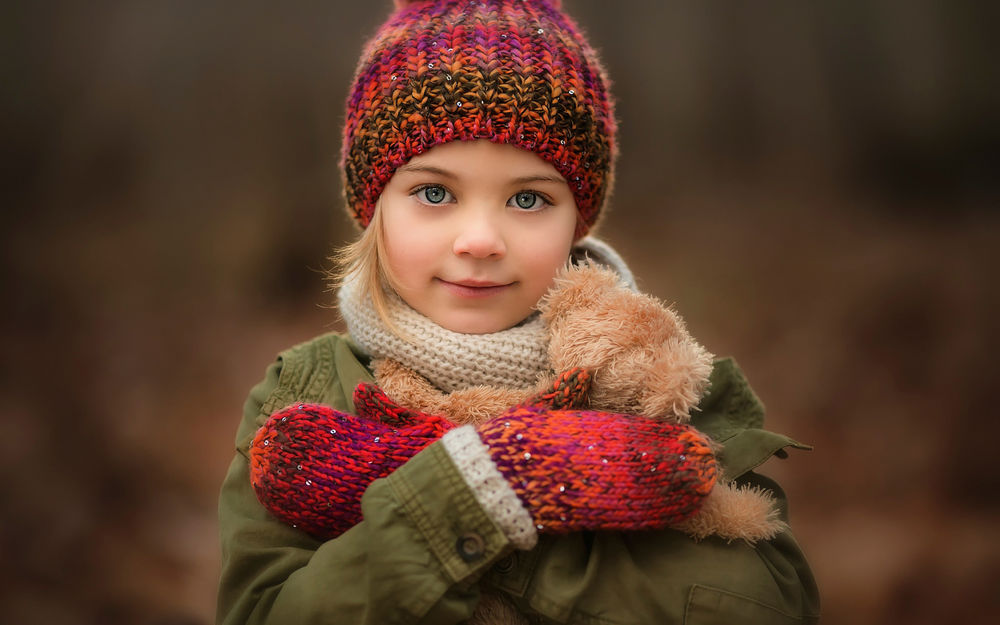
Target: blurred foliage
(813, 184)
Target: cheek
(549, 264)
(547, 253)
(409, 247)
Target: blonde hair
(363, 260)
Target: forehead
(482, 158)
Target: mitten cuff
(494, 494)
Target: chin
(475, 326)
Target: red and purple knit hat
(511, 71)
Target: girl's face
(475, 232)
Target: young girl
(502, 436)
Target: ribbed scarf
(513, 358)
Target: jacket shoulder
(730, 405)
(322, 370)
(733, 415)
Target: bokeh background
(813, 184)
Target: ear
(578, 287)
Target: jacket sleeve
(415, 557)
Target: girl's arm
(568, 469)
(402, 564)
(399, 565)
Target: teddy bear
(642, 361)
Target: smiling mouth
(474, 288)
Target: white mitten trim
(494, 494)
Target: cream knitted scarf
(513, 358)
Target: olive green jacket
(425, 548)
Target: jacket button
(506, 565)
(470, 547)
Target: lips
(475, 288)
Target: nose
(480, 235)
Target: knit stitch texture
(533, 469)
(310, 464)
(517, 72)
(587, 470)
(490, 487)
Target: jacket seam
(575, 615)
(742, 597)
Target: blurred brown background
(814, 184)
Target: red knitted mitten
(583, 470)
(310, 464)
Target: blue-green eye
(433, 194)
(527, 200)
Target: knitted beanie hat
(511, 71)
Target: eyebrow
(525, 179)
(430, 169)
